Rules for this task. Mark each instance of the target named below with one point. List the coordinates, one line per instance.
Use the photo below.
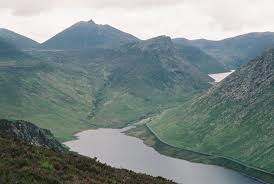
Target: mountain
(235, 51)
(233, 119)
(9, 53)
(98, 87)
(144, 78)
(22, 161)
(199, 58)
(19, 41)
(29, 133)
(84, 35)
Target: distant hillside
(98, 87)
(22, 161)
(83, 35)
(233, 119)
(199, 58)
(144, 78)
(235, 51)
(9, 53)
(19, 41)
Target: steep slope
(199, 58)
(83, 35)
(235, 51)
(233, 119)
(29, 133)
(44, 93)
(143, 79)
(19, 41)
(23, 162)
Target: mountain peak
(91, 21)
(160, 43)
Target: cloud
(25, 7)
(211, 19)
(33, 7)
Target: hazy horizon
(191, 19)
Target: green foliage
(23, 163)
(46, 165)
(68, 91)
(198, 58)
(233, 119)
(150, 139)
(236, 51)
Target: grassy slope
(199, 58)
(233, 119)
(20, 162)
(45, 94)
(236, 51)
(68, 91)
(149, 138)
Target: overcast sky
(211, 19)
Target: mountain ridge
(238, 50)
(88, 34)
(18, 40)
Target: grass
(144, 133)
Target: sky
(192, 19)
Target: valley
(204, 101)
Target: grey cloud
(32, 7)
(25, 7)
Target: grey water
(218, 77)
(113, 147)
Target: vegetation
(83, 35)
(19, 41)
(236, 51)
(234, 119)
(149, 138)
(199, 58)
(24, 163)
(68, 91)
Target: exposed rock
(31, 134)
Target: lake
(116, 149)
(218, 77)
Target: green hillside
(235, 51)
(233, 119)
(27, 156)
(97, 87)
(83, 35)
(19, 41)
(199, 58)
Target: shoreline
(149, 138)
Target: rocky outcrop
(31, 134)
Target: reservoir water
(218, 77)
(116, 149)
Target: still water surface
(218, 77)
(114, 148)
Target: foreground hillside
(24, 163)
(233, 119)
